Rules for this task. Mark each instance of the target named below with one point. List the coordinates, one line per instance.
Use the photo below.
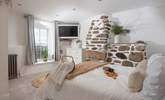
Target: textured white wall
(84, 28)
(17, 36)
(3, 52)
(17, 29)
(146, 24)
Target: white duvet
(94, 85)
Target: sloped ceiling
(77, 10)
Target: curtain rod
(57, 21)
(26, 15)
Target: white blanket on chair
(58, 75)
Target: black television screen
(68, 31)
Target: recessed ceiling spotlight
(56, 15)
(19, 4)
(100, 0)
(74, 9)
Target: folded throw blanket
(85, 67)
(66, 70)
(58, 75)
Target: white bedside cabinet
(76, 53)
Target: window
(44, 41)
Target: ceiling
(77, 10)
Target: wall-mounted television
(68, 31)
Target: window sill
(44, 62)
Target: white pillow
(154, 84)
(142, 67)
(135, 81)
(136, 77)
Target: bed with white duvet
(94, 85)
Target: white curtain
(31, 48)
(57, 42)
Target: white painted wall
(17, 28)
(17, 36)
(84, 28)
(147, 24)
(3, 53)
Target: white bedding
(94, 85)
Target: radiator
(12, 66)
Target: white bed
(94, 85)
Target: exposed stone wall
(93, 55)
(97, 36)
(126, 54)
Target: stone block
(109, 59)
(102, 35)
(104, 17)
(136, 56)
(95, 32)
(127, 63)
(117, 61)
(124, 48)
(113, 50)
(94, 48)
(102, 42)
(140, 48)
(110, 54)
(121, 55)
